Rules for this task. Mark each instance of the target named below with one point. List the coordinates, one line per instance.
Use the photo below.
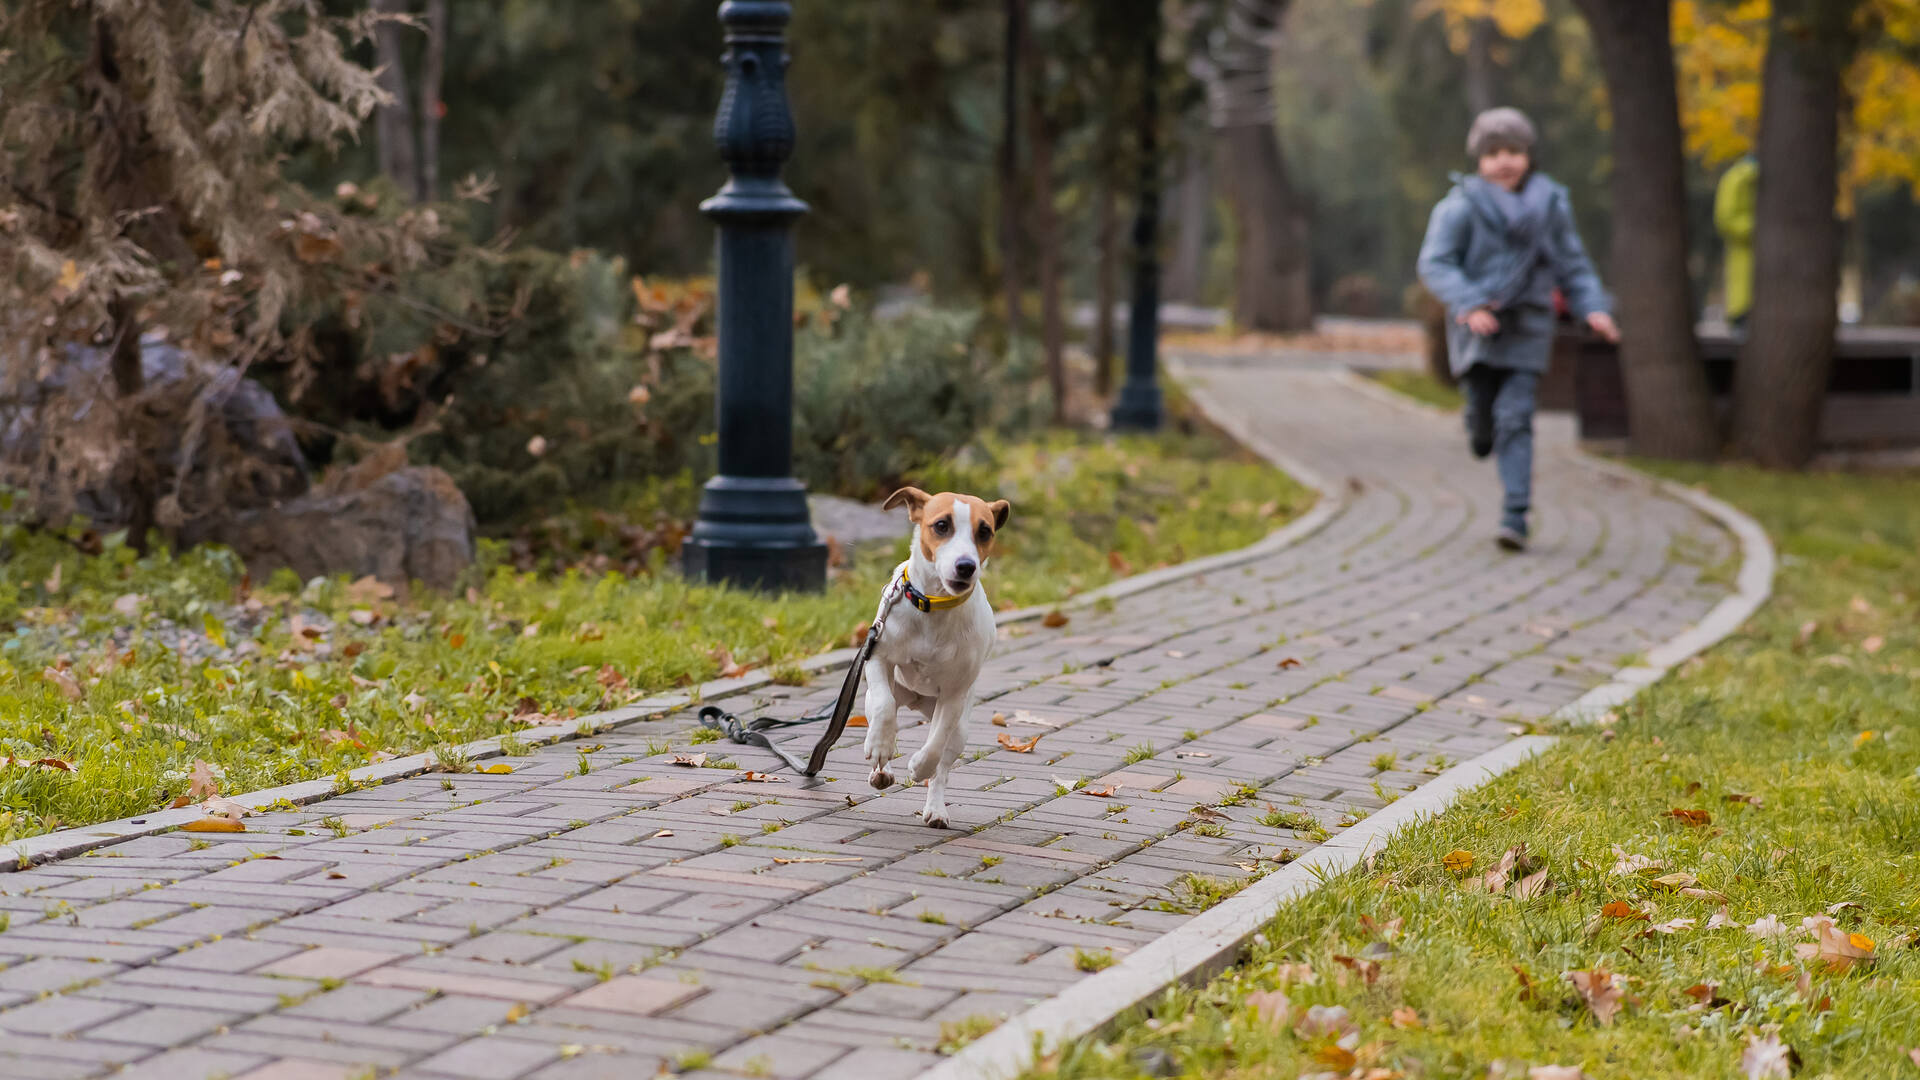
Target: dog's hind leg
(883, 713)
(932, 760)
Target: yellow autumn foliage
(1515, 19)
(1719, 50)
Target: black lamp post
(1138, 407)
(754, 528)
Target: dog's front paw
(880, 778)
(935, 818)
(922, 764)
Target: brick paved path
(565, 923)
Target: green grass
(133, 669)
(1800, 739)
(1418, 385)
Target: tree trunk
(431, 106)
(1272, 283)
(1669, 409)
(1780, 383)
(1016, 32)
(1192, 213)
(393, 121)
(1482, 75)
(1046, 227)
(1106, 282)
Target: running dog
(930, 656)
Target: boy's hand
(1482, 321)
(1602, 324)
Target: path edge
(1216, 938)
(66, 843)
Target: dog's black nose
(965, 568)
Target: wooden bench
(1873, 397)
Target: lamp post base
(1138, 408)
(756, 533)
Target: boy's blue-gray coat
(1468, 249)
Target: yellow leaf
(216, 633)
(497, 769)
(518, 1012)
(1458, 861)
(70, 276)
(216, 824)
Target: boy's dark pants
(1500, 404)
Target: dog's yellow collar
(930, 603)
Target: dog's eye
(985, 534)
(943, 527)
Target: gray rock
(851, 521)
(411, 524)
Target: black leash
(754, 732)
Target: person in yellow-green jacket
(1733, 204)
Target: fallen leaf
(1915, 1055)
(1457, 861)
(663, 832)
(1389, 930)
(1837, 949)
(1863, 738)
(1694, 818)
(762, 778)
(1289, 662)
(999, 719)
(518, 1013)
(1873, 644)
(1768, 927)
(63, 682)
(1022, 716)
(1273, 1007)
(1532, 885)
(218, 807)
(1677, 880)
(1333, 1020)
(1054, 620)
(1405, 1017)
(1019, 746)
(1720, 919)
(1671, 926)
(1100, 792)
(54, 763)
(498, 769)
(1368, 970)
(1766, 1058)
(1191, 754)
(1743, 797)
(201, 782)
(1556, 1072)
(1836, 909)
(856, 720)
(690, 761)
(1295, 971)
(214, 824)
(1526, 982)
(1600, 990)
(129, 605)
(1620, 909)
(1337, 1056)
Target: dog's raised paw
(881, 779)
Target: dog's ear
(914, 499)
(1002, 510)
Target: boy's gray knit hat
(1497, 128)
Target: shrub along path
(601, 908)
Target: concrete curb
(65, 843)
(1216, 938)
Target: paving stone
(637, 994)
(327, 962)
(493, 1058)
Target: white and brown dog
(930, 656)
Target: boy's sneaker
(1512, 535)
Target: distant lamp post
(754, 528)
(1138, 407)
